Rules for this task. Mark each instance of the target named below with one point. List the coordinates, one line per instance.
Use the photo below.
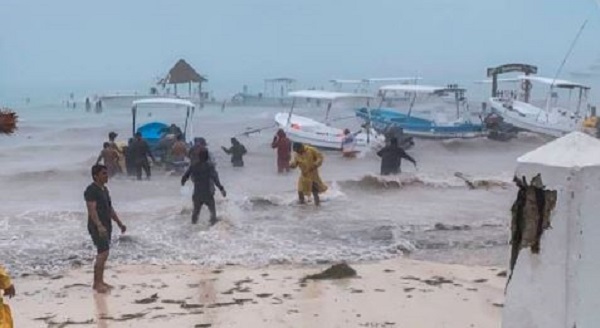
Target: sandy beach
(392, 293)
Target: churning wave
(408, 180)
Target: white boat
(309, 131)
(552, 119)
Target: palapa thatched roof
(182, 72)
(8, 121)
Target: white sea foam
(363, 216)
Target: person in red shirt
(283, 146)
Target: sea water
(426, 214)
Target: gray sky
(52, 47)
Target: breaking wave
(407, 180)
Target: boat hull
(382, 119)
(307, 131)
(531, 119)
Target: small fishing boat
(439, 126)
(154, 131)
(551, 118)
(309, 131)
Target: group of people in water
(175, 155)
(202, 171)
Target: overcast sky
(52, 47)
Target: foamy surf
(363, 216)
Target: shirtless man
(110, 156)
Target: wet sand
(392, 293)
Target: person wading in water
(205, 178)
(308, 159)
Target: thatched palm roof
(8, 121)
(182, 72)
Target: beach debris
(408, 289)
(500, 305)
(216, 271)
(449, 227)
(502, 273)
(153, 298)
(168, 301)
(356, 291)
(191, 306)
(156, 308)
(243, 281)
(437, 281)
(76, 285)
(433, 281)
(479, 281)
(530, 216)
(336, 271)
(238, 287)
(263, 295)
(461, 176)
(379, 290)
(236, 301)
(277, 301)
(45, 318)
(377, 324)
(203, 325)
(480, 184)
(8, 121)
(389, 270)
(55, 324)
(158, 316)
(125, 317)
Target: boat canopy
(342, 81)
(412, 88)
(326, 95)
(554, 82)
(163, 101)
(392, 79)
(490, 81)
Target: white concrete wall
(587, 253)
(536, 293)
(558, 287)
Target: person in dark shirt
(237, 152)
(205, 177)
(391, 158)
(199, 144)
(172, 129)
(139, 152)
(100, 217)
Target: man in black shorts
(100, 216)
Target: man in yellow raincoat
(9, 290)
(308, 159)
